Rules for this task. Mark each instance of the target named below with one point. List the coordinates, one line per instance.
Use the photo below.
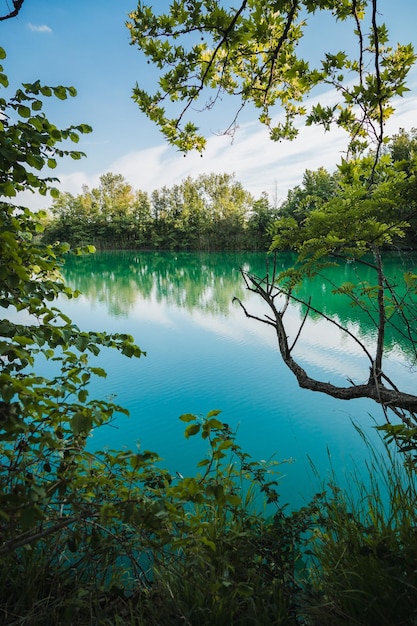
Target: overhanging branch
(374, 389)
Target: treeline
(211, 212)
(215, 212)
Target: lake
(204, 354)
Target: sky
(85, 43)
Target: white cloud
(73, 183)
(260, 164)
(41, 28)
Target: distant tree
(402, 148)
(141, 220)
(228, 205)
(210, 212)
(261, 217)
(72, 220)
(107, 216)
(317, 187)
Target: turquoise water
(204, 354)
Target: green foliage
(45, 421)
(92, 536)
(207, 51)
(213, 51)
(109, 536)
(353, 217)
(24, 124)
(144, 546)
(402, 149)
(226, 563)
(345, 212)
(199, 549)
(211, 212)
(364, 548)
(317, 188)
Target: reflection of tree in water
(209, 281)
(205, 281)
(337, 306)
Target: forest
(112, 537)
(211, 212)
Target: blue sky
(85, 43)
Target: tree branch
(17, 6)
(374, 389)
(33, 535)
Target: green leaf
(81, 424)
(7, 392)
(46, 91)
(98, 371)
(191, 430)
(216, 424)
(23, 111)
(36, 105)
(23, 340)
(7, 189)
(233, 500)
(188, 417)
(82, 395)
(60, 92)
(207, 542)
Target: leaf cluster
(207, 51)
(29, 141)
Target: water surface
(204, 354)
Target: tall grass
(364, 547)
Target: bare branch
(404, 405)
(301, 326)
(33, 535)
(17, 6)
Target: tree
(106, 216)
(77, 528)
(70, 520)
(402, 148)
(227, 206)
(209, 212)
(213, 51)
(72, 220)
(44, 422)
(316, 188)
(355, 225)
(261, 217)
